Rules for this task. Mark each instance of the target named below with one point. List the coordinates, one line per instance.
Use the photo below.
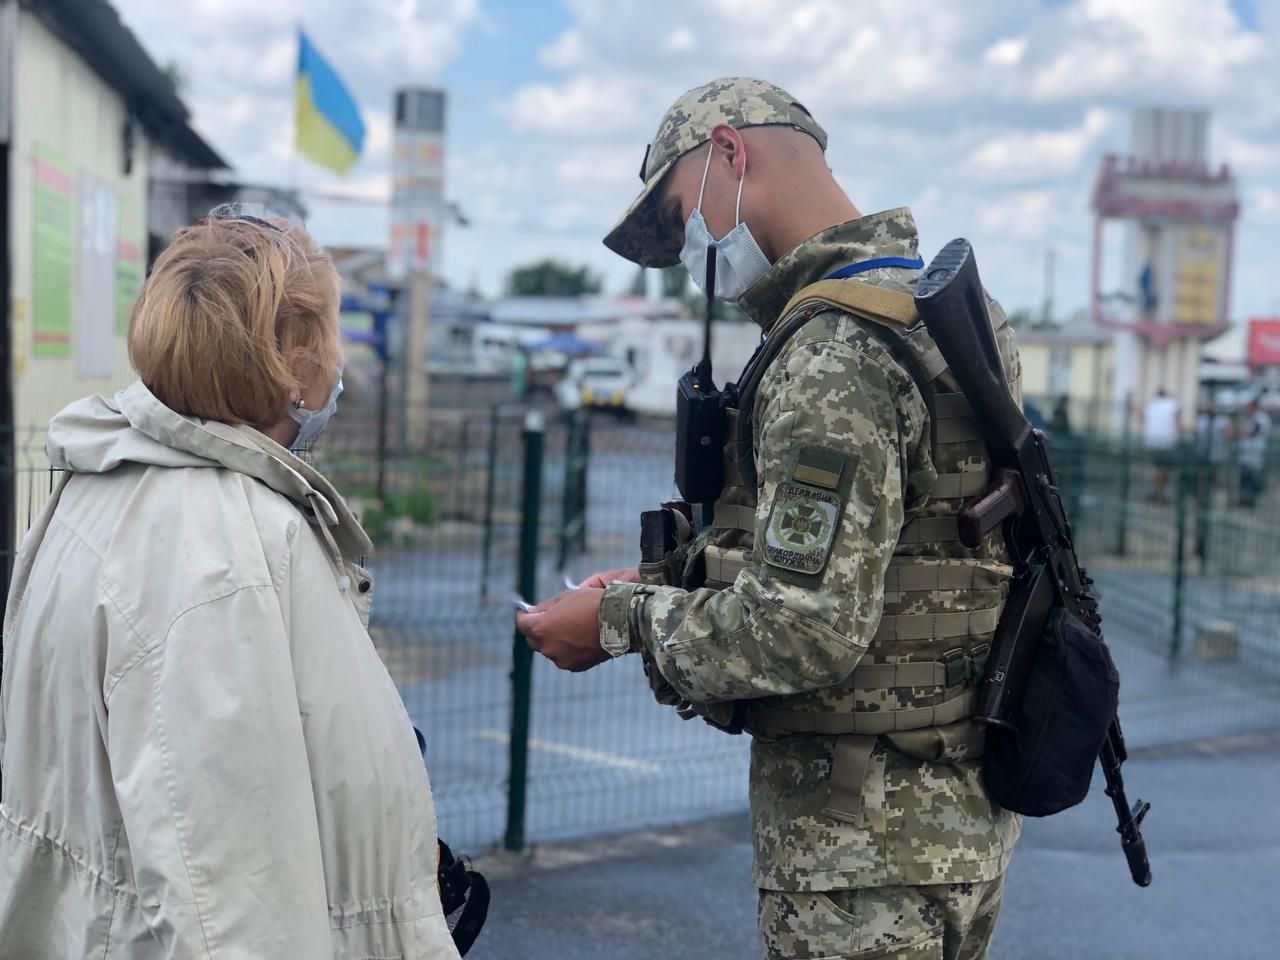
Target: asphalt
(1213, 838)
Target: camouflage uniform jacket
(778, 636)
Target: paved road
(1213, 836)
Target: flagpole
(293, 150)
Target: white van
(595, 382)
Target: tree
(177, 76)
(640, 285)
(551, 278)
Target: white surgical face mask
(739, 260)
(313, 422)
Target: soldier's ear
(730, 147)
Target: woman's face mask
(739, 260)
(313, 422)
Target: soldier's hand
(601, 580)
(565, 629)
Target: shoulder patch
(802, 527)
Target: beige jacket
(202, 754)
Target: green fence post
(583, 500)
(380, 483)
(1122, 528)
(1203, 478)
(1070, 454)
(573, 510)
(490, 490)
(522, 656)
(1180, 543)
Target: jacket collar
(891, 233)
(97, 435)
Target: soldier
(831, 611)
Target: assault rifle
(1024, 500)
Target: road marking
(577, 753)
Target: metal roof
(572, 311)
(94, 30)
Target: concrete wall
(64, 107)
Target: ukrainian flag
(330, 130)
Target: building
(85, 117)
(1072, 363)
(1177, 217)
(566, 314)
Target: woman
(202, 755)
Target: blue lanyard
(854, 269)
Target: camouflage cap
(738, 101)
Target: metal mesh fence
(1188, 565)
(1186, 556)
(601, 755)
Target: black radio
(702, 421)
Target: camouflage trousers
(942, 922)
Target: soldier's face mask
(739, 260)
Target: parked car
(595, 382)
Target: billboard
(417, 190)
(1201, 258)
(1264, 342)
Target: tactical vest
(916, 682)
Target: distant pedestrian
(1060, 423)
(1213, 436)
(1161, 429)
(519, 372)
(202, 754)
(1251, 454)
(1213, 451)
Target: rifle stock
(949, 291)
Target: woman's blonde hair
(231, 307)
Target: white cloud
(580, 106)
(1170, 48)
(378, 134)
(928, 202)
(566, 53)
(1006, 52)
(1024, 214)
(1038, 155)
(567, 213)
(989, 117)
(274, 66)
(217, 13)
(1264, 205)
(681, 40)
(423, 35)
(1245, 153)
(592, 169)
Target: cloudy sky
(987, 117)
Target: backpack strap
(889, 308)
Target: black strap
(465, 890)
(749, 386)
(768, 351)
